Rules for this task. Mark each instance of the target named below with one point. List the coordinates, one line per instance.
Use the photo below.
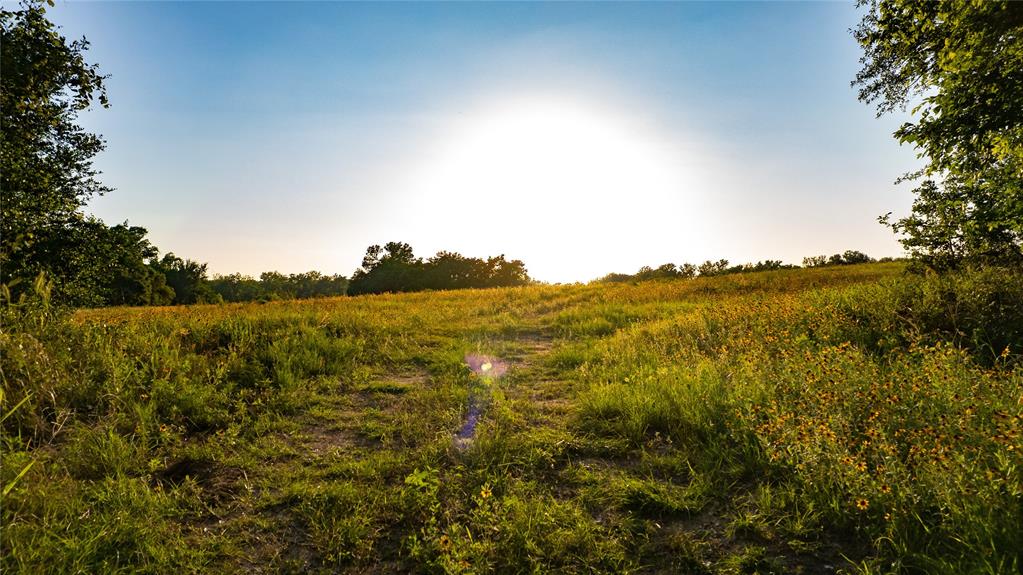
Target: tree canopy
(394, 268)
(47, 157)
(275, 286)
(959, 64)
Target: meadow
(852, 419)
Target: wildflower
(861, 466)
(485, 492)
(445, 542)
(886, 488)
(862, 504)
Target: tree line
(395, 268)
(722, 267)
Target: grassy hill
(839, 419)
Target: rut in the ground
(269, 534)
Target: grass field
(799, 421)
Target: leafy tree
(709, 268)
(391, 269)
(275, 285)
(47, 173)
(687, 271)
(314, 284)
(502, 272)
(815, 261)
(847, 257)
(855, 257)
(960, 63)
(236, 287)
(663, 271)
(188, 280)
(94, 264)
(766, 265)
(127, 278)
(399, 252)
(394, 268)
(449, 270)
(617, 278)
(666, 271)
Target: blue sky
(582, 138)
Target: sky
(581, 138)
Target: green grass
(851, 419)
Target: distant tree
(188, 280)
(815, 261)
(159, 293)
(391, 269)
(644, 273)
(709, 268)
(94, 265)
(394, 268)
(275, 286)
(400, 252)
(766, 265)
(855, 257)
(450, 270)
(372, 257)
(663, 271)
(617, 278)
(502, 272)
(961, 64)
(845, 258)
(687, 271)
(668, 270)
(237, 288)
(127, 279)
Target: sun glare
(534, 177)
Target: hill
(850, 418)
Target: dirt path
(256, 511)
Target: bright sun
(533, 177)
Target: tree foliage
(46, 156)
(277, 286)
(187, 278)
(959, 63)
(394, 268)
(689, 271)
(846, 258)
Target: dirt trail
(347, 424)
(536, 384)
(267, 533)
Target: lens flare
(488, 368)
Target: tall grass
(775, 421)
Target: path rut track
(268, 531)
(535, 384)
(268, 534)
